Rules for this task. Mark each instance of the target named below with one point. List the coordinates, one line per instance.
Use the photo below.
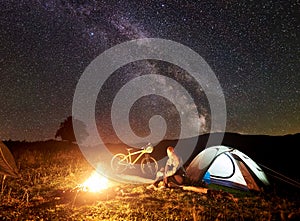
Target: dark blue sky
(252, 46)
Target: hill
(275, 154)
(52, 172)
(278, 153)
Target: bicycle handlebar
(149, 148)
(147, 145)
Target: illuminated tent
(227, 167)
(8, 165)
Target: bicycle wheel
(119, 163)
(149, 166)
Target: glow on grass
(95, 183)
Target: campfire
(94, 188)
(95, 183)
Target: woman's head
(170, 150)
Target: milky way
(252, 47)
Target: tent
(8, 165)
(228, 167)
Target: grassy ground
(49, 176)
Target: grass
(51, 170)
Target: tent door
(247, 176)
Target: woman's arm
(170, 168)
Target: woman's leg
(174, 180)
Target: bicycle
(120, 162)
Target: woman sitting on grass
(173, 175)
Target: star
(252, 47)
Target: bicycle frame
(141, 152)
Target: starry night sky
(253, 47)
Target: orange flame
(95, 183)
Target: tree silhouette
(66, 131)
